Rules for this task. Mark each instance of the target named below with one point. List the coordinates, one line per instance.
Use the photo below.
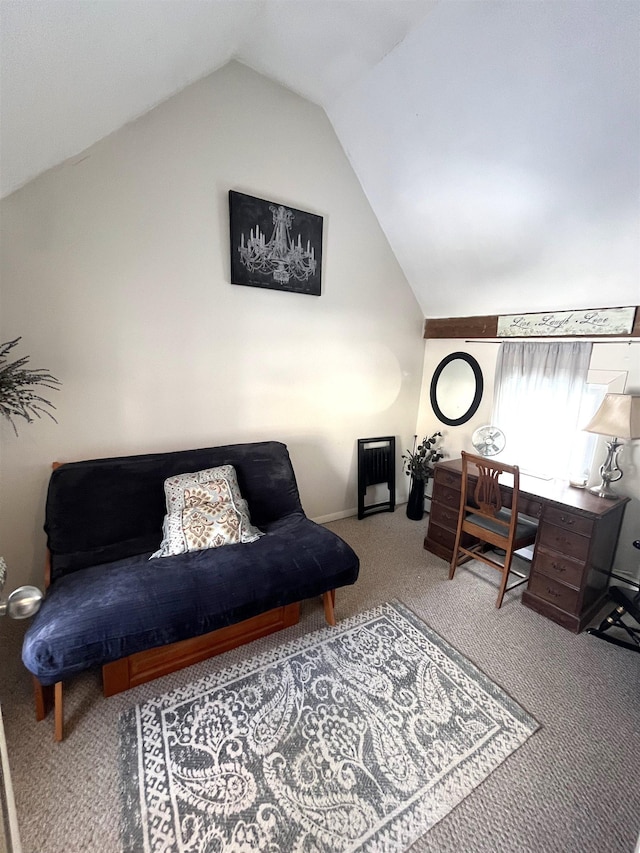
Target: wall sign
(606, 321)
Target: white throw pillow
(204, 510)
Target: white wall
(613, 358)
(115, 272)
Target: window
(541, 400)
(586, 442)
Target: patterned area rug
(359, 737)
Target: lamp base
(609, 472)
(604, 491)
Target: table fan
(488, 440)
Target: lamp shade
(618, 416)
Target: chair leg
(454, 559)
(58, 711)
(505, 577)
(328, 599)
(452, 566)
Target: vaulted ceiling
(74, 71)
(497, 141)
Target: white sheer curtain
(537, 399)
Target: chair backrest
(487, 496)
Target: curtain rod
(550, 340)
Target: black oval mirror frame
(477, 372)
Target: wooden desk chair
(482, 516)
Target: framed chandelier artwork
(274, 245)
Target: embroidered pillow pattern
(204, 510)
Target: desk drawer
(529, 506)
(441, 536)
(558, 567)
(444, 515)
(447, 538)
(563, 541)
(447, 497)
(563, 597)
(569, 520)
(447, 478)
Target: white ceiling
(73, 71)
(496, 140)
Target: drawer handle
(554, 593)
(565, 520)
(558, 567)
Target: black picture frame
(477, 391)
(274, 245)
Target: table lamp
(618, 417)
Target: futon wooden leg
(329, 599)
(58, 711)
(44, 699)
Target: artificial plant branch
(17, 397)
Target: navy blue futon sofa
(107, 604)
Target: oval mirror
(456, 388)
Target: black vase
(415, 504)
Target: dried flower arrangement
(419, 464)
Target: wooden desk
(574, 550)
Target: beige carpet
(572, 787)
